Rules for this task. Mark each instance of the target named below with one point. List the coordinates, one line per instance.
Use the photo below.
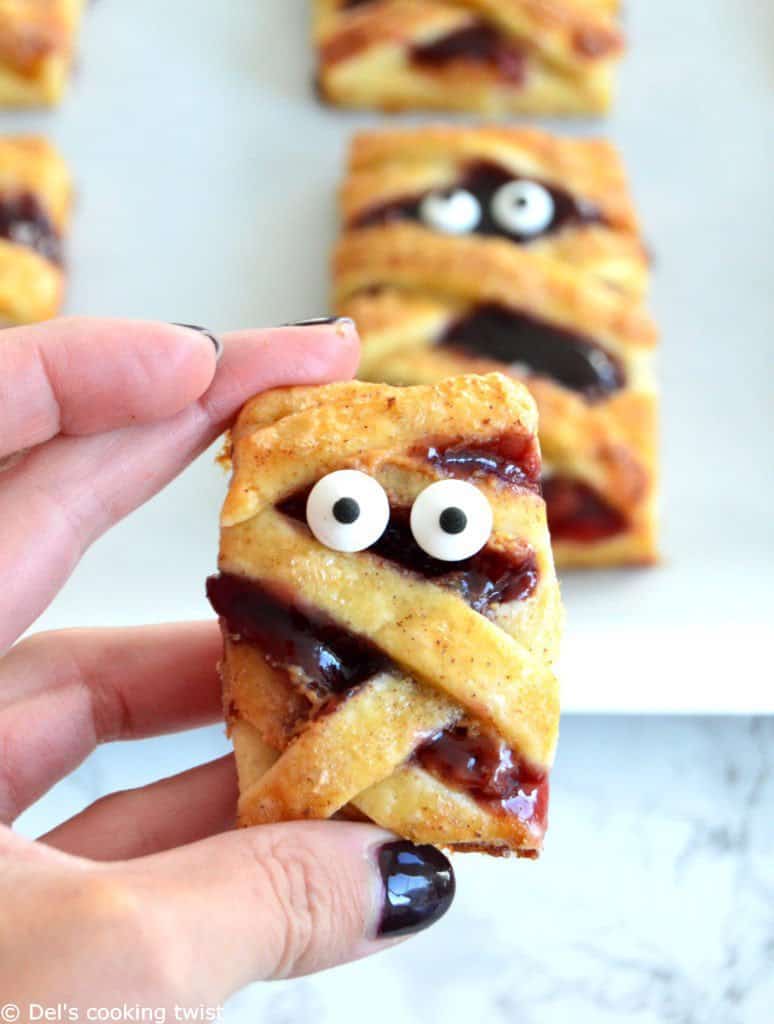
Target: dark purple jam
(24, 221)
(513, 459)
(484, 579)
(332, 658)
(479, 43)
(489, 771)
(483, 179)
(577, 512)
(543, 349)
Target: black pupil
(452, 520)
(346, 511)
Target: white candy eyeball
(523, 207)
(347, 510)
(451, 520)
(456, 212)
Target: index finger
(83, 376)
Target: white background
(206, 174)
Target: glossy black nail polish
(418, 884)
(213, 338)
(320, 321)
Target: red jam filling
(489, 771)
(577, 512)
(24, 221)
(483, 179)
(332, 658)
(479, 43)
(513, 458)
(542, 349)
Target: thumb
(283, 900)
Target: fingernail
(321, 321)
(213, 338)
(418, 887)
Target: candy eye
(523, 207)
(347, 510)
(451, 520)
(455, 212)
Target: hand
(144, 897)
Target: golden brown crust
(31, 285)
(568, 47)
(36, 49)
(360, 753)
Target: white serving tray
(206, 174)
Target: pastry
(390, 611)
(487, 56)
(472, 249)
(35, 200)
(37, 38)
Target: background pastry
(467, 250)
(37, 39)
(489, 56)
(35, 201)
(399, 668)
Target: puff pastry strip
(35, 201)
(468, 249)
(430, 667)
(488, 56)
(37, 39)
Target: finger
(284, 900)
(79, 376)
(64, 494)
(63, 693)
(170, 813)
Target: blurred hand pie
(487, 56)
(478, 249)
(390, 611)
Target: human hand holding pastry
(141, 897)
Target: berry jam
(512, 458)
(332, 658)
(483, 179)
(479, 43)
(577, 512)
(488, 771)
(481, 580)
(24, 221)
(542, 349)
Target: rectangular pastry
(35, 201)
(487, 56)
(472, 249)
(37, 40)
(390, 611)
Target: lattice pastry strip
(351, 676)
(490, 56)
(35, 201)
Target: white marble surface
(653, 903)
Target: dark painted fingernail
(418, 884)
(321, 321)
(213, 338)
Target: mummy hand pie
(486, 56)
(35, 200)
(390, 611)
(476, 249)
(37, 39)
